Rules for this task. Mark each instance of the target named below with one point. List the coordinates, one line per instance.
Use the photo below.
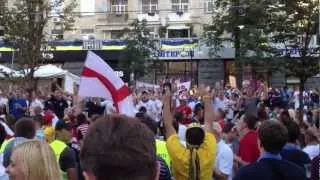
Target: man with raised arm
(196, 160)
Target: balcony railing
(119, 9)
(149, 8)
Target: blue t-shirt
(15, 105)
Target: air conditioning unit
(56, 19)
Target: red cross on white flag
(98, 79)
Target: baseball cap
(63, 125)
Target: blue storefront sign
(176, 54)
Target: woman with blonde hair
(33, 160)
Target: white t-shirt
(150, 106)
(3, 174)
(158, 105)
(296, 99)
(230, 109)
(7, 129)
(109, 108)
(219, 104)
(224, 162)
(35, 103)
(312, 150)
(182, 132)
(3, 101)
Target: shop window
(117, 34)
(178, 33)
(149, 6)
(180, 5)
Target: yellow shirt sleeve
(176, 150)
(209, 148)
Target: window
(56, 31)
(178, 33)
(117, 34)
(180, 5)
(87, 31)
(149, 6)
(119, 6)
(209, 6)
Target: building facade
(178, 24)
(106, 19)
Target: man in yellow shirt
(196, 160)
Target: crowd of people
(198, 133)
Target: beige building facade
(106, 19)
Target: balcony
(117, 14)
(149, 12)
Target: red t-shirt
(221, 123)
(186, 111)
(248, 148)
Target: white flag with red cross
(98, 79)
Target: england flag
(98, 79)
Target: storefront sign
(92, 45)
(175, 53)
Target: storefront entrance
(183, 70)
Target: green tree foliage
(274, 34)
(137, 57)
(26, 28)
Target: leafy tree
(25, 26)
(141, 48)
(274, 35)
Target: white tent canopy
(5, 70)
(49, 70)
(52, 71)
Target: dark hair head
(25, 127)
(293, 131)
(119, 147)
(39, 119)
(178, 116)
(140, 115)
(312, 135)
(285, 117)
(228, 127)
(198, 107)
(250, 120)
(61, 124)
(143, 110)
(81, 119)
(222, 113)
(195, 136)
(149, 122)
(3, 134)
(273, 136)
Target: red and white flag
(98, 79)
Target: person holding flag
(100, 80)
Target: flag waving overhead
(99, 80)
